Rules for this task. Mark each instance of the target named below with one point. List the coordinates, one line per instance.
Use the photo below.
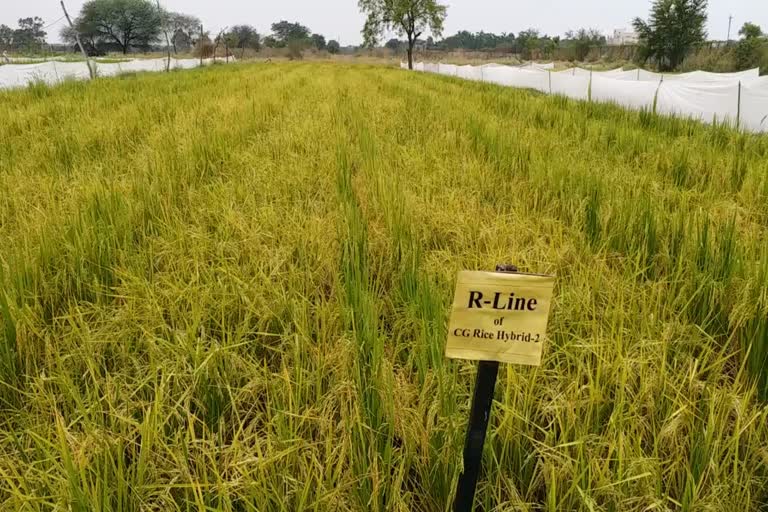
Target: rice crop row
(227, 289)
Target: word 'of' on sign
(499, 317)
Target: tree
(6, 37)
(230, 39)
(181, 41)
(673, 28)
(244, 37)
(126, 24)
(478, 41)
(69, 36)
(548, 44)
(30, 35)
(318, 41)
(183, 29)
(394, 44)
(271, 42)
(751, 31)
(406, 17)
(527, 41)
(582, 41)
(333, 47)
(203, 46)
(749, 51)
(285, 32)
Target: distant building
(623, 37)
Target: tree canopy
(296, 37)
(466, 40)
(243, 37)
(123, 24)
(751, 31)
(29, 36)
(284, 32)
(393, 44)
(6, 37)
(333, 47)
(525, 43)
(749, 52)
(582, 40)
(183, 28)
(673, 28)
(405, 17)
(318, 41)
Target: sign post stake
(479, 415)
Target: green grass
(227, 289)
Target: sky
(341, 19)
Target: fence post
(202, 45)
(550, 81)
(738, 108)
(79, 43)
(167, 39)
(656, 96)
(589, 88)
(638, 74)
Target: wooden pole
(77, 38)
(738, 107)
(201, 45)
(479, 414)
(167, 39)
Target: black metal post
(482, 399)
(478, 426)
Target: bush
(295, 50)
(204, 48)
(751, 53)
(714, 60)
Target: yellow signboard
(499, 317)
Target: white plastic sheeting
(633, 95)
(576, 87)
(445, 69)
(642, 75)
(738, 99)
(19, 75)
(470, 72)
(516, 77)
(534, 65)
(12, 75)
(706, 102)
(754, 105)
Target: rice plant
(227, 289)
